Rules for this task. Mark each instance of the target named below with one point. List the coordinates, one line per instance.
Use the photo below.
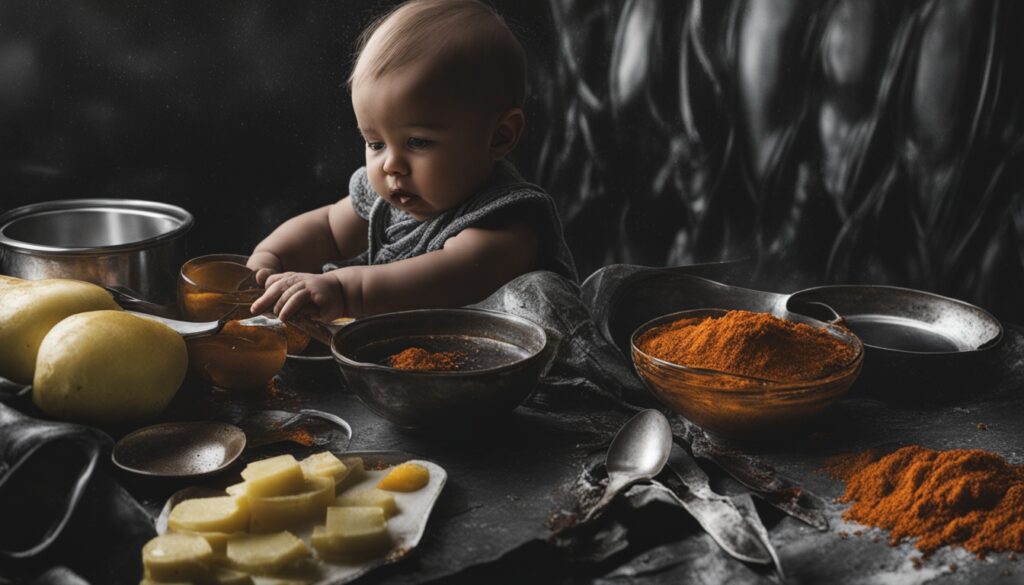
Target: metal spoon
(190, 449)
(637, 453)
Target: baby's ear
(507, 132)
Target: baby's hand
(264, 264)
(297, 293)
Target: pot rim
(154, 208)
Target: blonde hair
(467, 43)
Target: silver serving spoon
(638, 452)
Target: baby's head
(438, 90)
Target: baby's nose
(395, 165)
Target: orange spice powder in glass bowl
(745, 375)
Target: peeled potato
(108, 367)
(177, 557)
(223, 514)
(352, 532)
(265, 553)
(272, 513)
(30, 308)
(324, 464)
(368, 498)
(275, 476)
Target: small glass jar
(220, 286)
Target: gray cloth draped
(395, 235)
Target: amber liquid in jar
(239, 357)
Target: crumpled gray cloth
(62, 518)
(585, 366)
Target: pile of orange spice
(968, 498)
(416, 358)
(757, 345)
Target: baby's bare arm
(471, 266)
(305, 242)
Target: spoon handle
(616, 483)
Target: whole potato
(29, 308)
(108, 368)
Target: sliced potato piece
(237, 489)
(265, 553)
(276, 476)
(371, 497)
(352, 532)
(356, 472)
(407, 477)
(324, 464)
(221, 514)
(177, 557)
(218, 540)
(273, 513)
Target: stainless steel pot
(139, 245)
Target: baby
(438, 217)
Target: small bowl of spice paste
(441, 369)
(741, 374)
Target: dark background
(862, 141)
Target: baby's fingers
(263, 276)
(293, 305)
(270, 296)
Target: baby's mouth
(403, 197)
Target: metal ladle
(638, 452)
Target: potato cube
(356, 472)
(265, 553)
(407, 477)
(276, 476)
(371, 497)
(273, 513)
(221, 514)
(218, 576)
(352, 532)
(177, 557)
(324, 464)
(218, 540)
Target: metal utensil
(179, 449)
(132, 243)
(717, 514)
(637, 453)
(197, 448)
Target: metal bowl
(505, 356)
(743, 407)
(134, 244)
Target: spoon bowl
(638, 452)
(179, 449)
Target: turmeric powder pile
(968, 498)
(416, 358)
(757, 345)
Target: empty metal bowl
(504, 358)
(134, 244)
(742, 407)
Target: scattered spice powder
(968, 498)
(757, 345)
(416, 358)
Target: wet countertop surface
(510, 482)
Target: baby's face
(425, 153)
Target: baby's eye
(418, 143)
(374, 145)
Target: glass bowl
(742, 407)
(220, 286)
